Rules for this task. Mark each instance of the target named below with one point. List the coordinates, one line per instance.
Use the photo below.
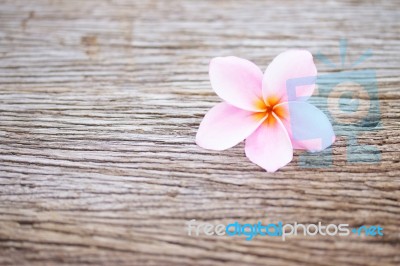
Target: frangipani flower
(257, 108)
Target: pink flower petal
(269, 146)
(308, 127)
(288, 65)
(237, 81)
(224, 126)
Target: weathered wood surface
(99, 105)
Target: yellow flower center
(271, 110)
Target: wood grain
(99, 106)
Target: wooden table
(100, 102)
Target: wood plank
(100, 102)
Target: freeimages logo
(350, 100)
